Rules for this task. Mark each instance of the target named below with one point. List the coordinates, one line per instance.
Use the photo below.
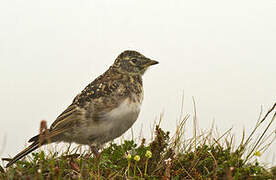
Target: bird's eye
(134, 60)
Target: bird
(104, 110)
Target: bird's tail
(46, 137)
(23, 153)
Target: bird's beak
(152, 62)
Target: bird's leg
(95, 150)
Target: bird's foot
(95, 151)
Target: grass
(165, 157)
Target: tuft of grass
(165, 157)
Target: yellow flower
(148, 154)
(137, 158)
(128, 156)
(257, 153)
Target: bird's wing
(68, 118)
(90, 102)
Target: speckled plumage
(104, 110)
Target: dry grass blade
(264, 132)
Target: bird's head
(133, 62)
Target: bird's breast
(115, 122)
(128, 109)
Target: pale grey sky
(221, 52)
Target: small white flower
(168, 160)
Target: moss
(206, 161)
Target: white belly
(114, 123)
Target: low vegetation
(166, 156)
